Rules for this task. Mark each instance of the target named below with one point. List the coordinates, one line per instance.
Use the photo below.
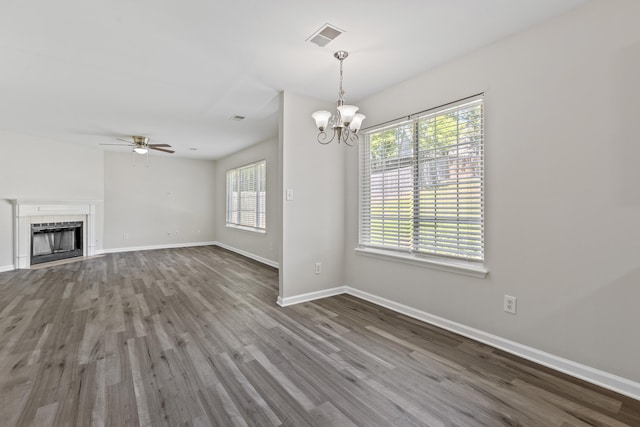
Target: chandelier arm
(322, 138)
(352, 139)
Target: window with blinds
(422, 184)
(246, 196)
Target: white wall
(313, 223)
(150, 198)
(562, 189)
(263, 246)
(36, 168)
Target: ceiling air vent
(324, 35)
(238, 118)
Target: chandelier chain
(341, 91)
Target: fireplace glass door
(55, 241)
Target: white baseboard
(248, 255)
(283, 302)
(152, 247)
(4, 268)
(595, 376)
(188, 245)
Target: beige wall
(562, 189)
(262, 246)
(313, 223)
(159, 201)
(37, 168)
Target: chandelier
(345, 123)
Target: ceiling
(87, 71)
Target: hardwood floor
(193, 337)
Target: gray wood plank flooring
(193, 337)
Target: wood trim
(153, 247)
(4, 268)
(255, 257)
(311, 296)
(449, 265)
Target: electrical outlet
(510, 304)
(125, 236)
(318, 268)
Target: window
(246, 196)
(422, 184)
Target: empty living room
(286, 213)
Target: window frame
(467, 266)
(259, 212)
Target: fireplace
(48, 230)
(55, 241)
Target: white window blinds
(422, 184)
(246, 196)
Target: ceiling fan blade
(125, 140)
(158, 145)
(122, 145)
(161, 149)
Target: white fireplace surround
(29, 212)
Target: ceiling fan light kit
(141, 145)
(346, 122)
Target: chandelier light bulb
(322, 119)
(347, 113)
(357, 122)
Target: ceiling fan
(141, 145)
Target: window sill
(245, 228)
(452, 266)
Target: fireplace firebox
(55, 241)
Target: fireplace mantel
(28, 212)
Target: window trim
(467, 268)
(473, 268)
(258, 211)
(246, 228)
